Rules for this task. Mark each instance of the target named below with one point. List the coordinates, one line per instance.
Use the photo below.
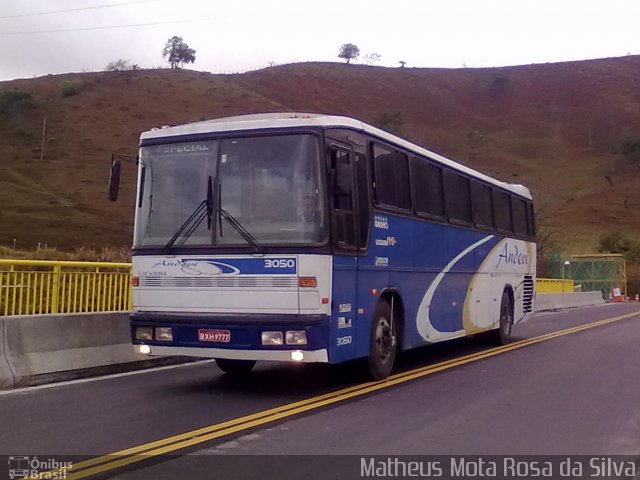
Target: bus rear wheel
(504, 334)
(382, 352)
(235, 367)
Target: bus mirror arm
(114, 179)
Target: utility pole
(44, 126)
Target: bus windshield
(268, 186)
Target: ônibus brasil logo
(35, 468)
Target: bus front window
(269, 185)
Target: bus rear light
(308, 282)
(144, 333)
(164, 334)
(272, 338)
(296, 337)
(325, 300)
(374, 291)
(135, 281)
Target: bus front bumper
(308, 356)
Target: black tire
(382, 351)
(235, 367)
(504, 334)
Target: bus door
(345, 171)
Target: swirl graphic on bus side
(209, 267)
(423, 322)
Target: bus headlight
(296, 337)
(272, 338)
(144, 333)
(297, 356)
(164, 334)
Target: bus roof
(266, 121)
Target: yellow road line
(177, 442)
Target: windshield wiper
(244, 233)
(202, 211)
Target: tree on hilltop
(119, 65)
(349, 52)
(177, 52)
(371, 58)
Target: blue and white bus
(316, 238)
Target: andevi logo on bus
(198, 266)
(511, 255)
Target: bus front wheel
(236, 367)
(382, 351)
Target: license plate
(218, 336)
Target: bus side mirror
(114, 180)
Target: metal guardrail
(553, 285)
(32, 287)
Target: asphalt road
(577, 394)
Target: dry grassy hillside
(568, 131)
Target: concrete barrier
(6, 376)
(44, 348)
(556, 301)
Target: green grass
(82, 254)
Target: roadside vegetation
(13, 102)
(82, 254)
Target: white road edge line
(34, 388)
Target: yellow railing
(552, 285)
(31, 287)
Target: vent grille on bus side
(257, 281)
(527, 295)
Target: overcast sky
(238, 35)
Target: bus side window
(481, 205)
(520, 223)
(502, 211)
(458, 197)
(531, 222)
(391, 178)
(428, 193)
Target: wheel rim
(383, 340)
(505, 321)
